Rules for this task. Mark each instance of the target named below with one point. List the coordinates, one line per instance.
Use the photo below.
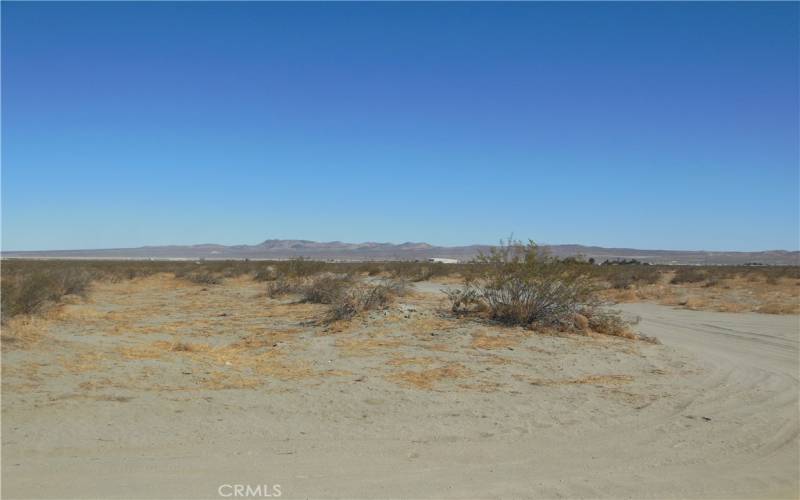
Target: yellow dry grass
(23, 332)
(484, 340)
(295, 312)
(419, 360)
(435, 324)
(369, 346)
(494, 359)
(274, 364)
(154, 350)
(737, 294)
(219, 380)
(482, 386)
(28, 371)
(779, 308)
(427, 379)
(450, 279)
(438, 347)
(733, 307)
(83, 362)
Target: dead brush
(268, 273)
(204, 278)
(688, 275)
(360, 299)
(463, 300)
(325, 289)
(610, 322)
(29, 293)
(199, 274)
(281, 286)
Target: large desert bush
(518, 284)
(521, 285)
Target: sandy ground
(157, 388)
(738, 294)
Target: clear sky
(668, 125)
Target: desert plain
(159, 387)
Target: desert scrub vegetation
(324, 288)
(688, 275)
(362, 298)
(28, 285)
(345, 295)
(623, 277)
(518, 284)
(28, 293)
(200, 276)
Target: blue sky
(649, 125)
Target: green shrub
(520, 285)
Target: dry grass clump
(779, 308)
(365, 346)
(481, 340)
(464, 300)
(493, 342)
(23, 331)
(280, 287)
(608, 322)
(419, 361)
(428, 378)
(220, 380)
(83, 362)
(359, 299)
(326, 288)
(611, 322)
(239, 365)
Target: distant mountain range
(337, 250)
